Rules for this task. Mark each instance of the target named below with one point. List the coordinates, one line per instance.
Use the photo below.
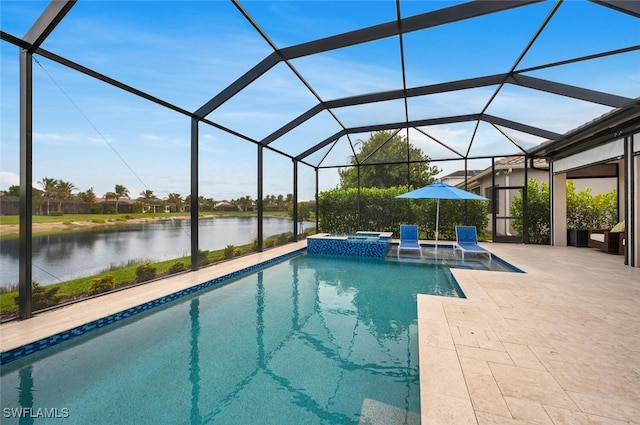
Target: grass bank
(124, 276)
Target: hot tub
(360, 244)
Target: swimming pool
(313, 339)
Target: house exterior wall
(559, 210)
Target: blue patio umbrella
(439, 191)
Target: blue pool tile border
(33, 347)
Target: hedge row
(373, 209)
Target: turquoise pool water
(311, 340)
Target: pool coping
(19, 338)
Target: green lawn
(68, 218)
(126, 275)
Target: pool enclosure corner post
(295, 200)
(26, 191)
(630, 176)
(317, 195)
(260, 197)
(358, 203)
(195, 203)
(492, 202)
(37, 34)
(525, 202)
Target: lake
(76, 254)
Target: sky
(96, 136)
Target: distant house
(107, 205)
(9, 205)
(226, 206)
(150, 205)
(457, 177)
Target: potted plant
(585, 212)
(579, 215)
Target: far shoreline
(13, 230)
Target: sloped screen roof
(309, 79)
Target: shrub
(42, 296)
(282, 239)
(203, 258)
(538, 217)
(228, 251)
(585, 211)
(177, 267)
(102, 284)
(98, 220)
(349, 210)
(145, 271)
(237, 252)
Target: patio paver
(557, 345)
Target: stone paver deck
(557, 345)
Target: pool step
(374, 412)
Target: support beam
(434, 121)
(377, 32)
(432, 19)
(630, 175)
(558, 208)
(383, 97)
(571, 91)
(625, 6)
(260, 197)
(46, 23)
(195, 203)
(53, 14)
(295, 201)
(26, 190)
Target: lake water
(76, 254)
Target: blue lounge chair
(467, 241)
(409, 238)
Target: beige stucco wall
(559, 210)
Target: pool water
(311, 340)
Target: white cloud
(7, 179)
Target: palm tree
(244, 203)
(147, 194)
(49, 187)
(120, 192)
(63, 191)
(175, 199)
(88, 196)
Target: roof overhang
(617, 124)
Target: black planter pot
(578, 237)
